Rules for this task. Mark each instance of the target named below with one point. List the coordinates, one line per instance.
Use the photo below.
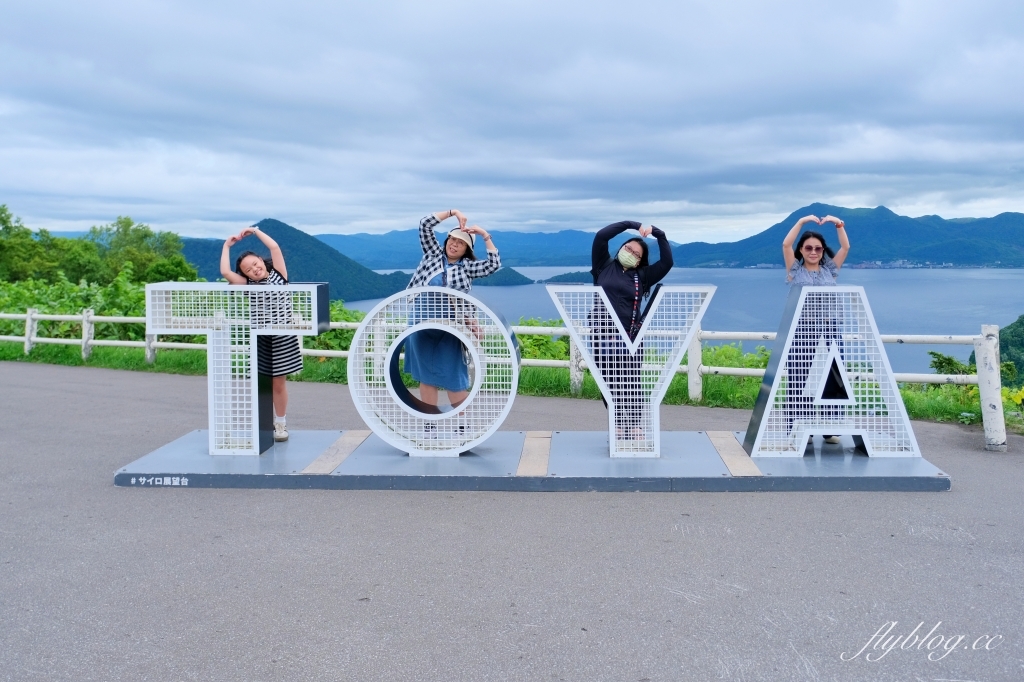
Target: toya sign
(828, 373)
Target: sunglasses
(813, 249)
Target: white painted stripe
(536, 451)
(334, 455)
(732, 453)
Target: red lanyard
(633, 329)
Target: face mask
(628, 259)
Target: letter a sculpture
(633, 375)
(829, 375)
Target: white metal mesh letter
(232, 317)
(397, 417)
(633, 375)
(829, 375)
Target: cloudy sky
(711, 119)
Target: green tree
(21, 255)
(125, 240)
(78, 259)
(173, 269)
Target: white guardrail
(693, 367)
(986, 347)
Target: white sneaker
(832, 440)
(280, 432)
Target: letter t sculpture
(232, 317)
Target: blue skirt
(434, 358)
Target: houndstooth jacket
(461, 274)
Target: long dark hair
(804, 237)
(469, 249)
(269, 264)
(644, 261)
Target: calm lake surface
(953, 301)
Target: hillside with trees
(98, 257)
(308, 261)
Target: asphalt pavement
(105, 583)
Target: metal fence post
(31, 326)
(693, 358)
(986, 354)
(88, 332)
(150, 348)
(575, 369)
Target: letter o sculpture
(398, 417)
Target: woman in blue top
(811, 262)
(433, 357)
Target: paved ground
(106, 583)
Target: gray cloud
(711, 119)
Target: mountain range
(878, 236)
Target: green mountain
(878, 235)
(307, 259)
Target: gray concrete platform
(99, 582)
(578, 461)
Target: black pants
(620, 370)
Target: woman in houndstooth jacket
(433, 357)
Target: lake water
(947, 301)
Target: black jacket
(616, 281)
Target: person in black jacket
(627, 278)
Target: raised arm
(225, 262)
(428, 240)
(599, 251)
(844, 240)
(656, 272)
(482, 268)
(787, 243)
(276, 256)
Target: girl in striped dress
(277, 356)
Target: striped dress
(278, 355)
